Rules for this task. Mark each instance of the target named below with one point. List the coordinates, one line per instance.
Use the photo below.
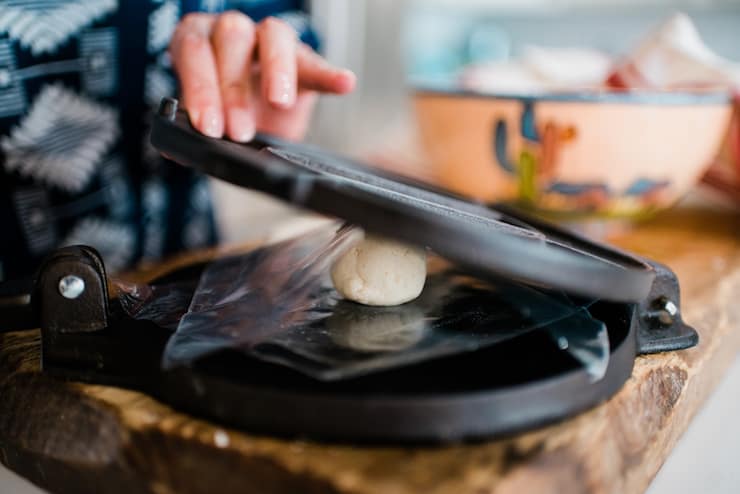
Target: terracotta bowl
(600, 153)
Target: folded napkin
(540, 70)
(673, 57)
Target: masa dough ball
(380, 271)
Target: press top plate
(486, 241)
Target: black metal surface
(64, 320)
(521, 384)
(481, 239)
(86, 312)
(660, 326)
(37, 301)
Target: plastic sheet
(277, 304)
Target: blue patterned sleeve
(77, 81)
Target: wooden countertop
(77, 439)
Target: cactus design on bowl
(535, 167)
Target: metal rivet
(670, 307)
(71, 286)
(663, 312)
(563, 342)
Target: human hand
(238, 77)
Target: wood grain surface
(78, 439)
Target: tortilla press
(521, 383)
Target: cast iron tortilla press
(483, 391)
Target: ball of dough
(380, 271)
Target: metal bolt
(563, 342)
(670, 307)
(71, 286)
(663, 312)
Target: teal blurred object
(488, 42)
(438, 44)
(440, 39)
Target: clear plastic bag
(277, 304)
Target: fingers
(233, 41)
(195, 65)
(317, 74)
(214, 57)
(278, 45)
(289, 124)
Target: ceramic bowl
(595, 153)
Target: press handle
(68, 294)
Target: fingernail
(346, 73)
(212, 122)
(282, 90)
(241, 125)
(194, 118)
(347, 79)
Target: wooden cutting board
(79, 439)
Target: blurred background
(388, 43)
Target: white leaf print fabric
(61, 139)
(43, 25)
(114, 241)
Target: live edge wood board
(76, 439)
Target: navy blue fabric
(78, 80)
